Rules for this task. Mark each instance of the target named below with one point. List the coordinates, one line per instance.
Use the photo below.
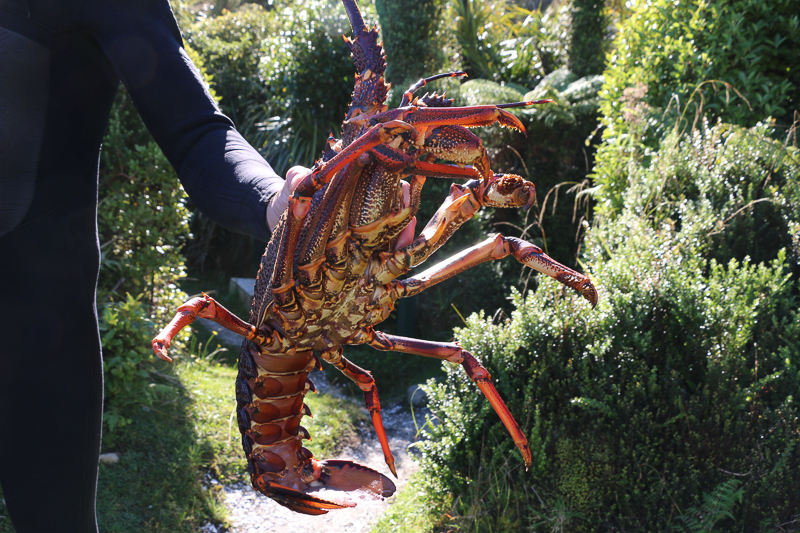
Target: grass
(414, 510)
(169, 453)
(172, 453)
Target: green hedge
(232, 50)
(411, 38)
(143, 223)
(677, 396)
(676, 61)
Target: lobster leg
(472, 116)
(423, 82)
(399, 162)
(461, 205)
(288, 310)
(377, 134)
(449, 351)
(203, 307)
(498, 247)
(366, 383)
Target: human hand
(279, 202)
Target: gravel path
(251, 512)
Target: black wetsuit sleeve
(225, 177)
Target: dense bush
(231, 48)
(673, 61)
(587, 42)
(143, 222)
(504, 42)
(553, 154)
(682, 383)
(411, 38)
(310, 76)
(266, 66)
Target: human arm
(225, 177)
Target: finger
(294, 176)
(279, 203)
(406, 193)
(406, 236)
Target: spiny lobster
(329, 274)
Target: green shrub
(231, 48)
(411, 38)
(552, 155)
(143, 223)
(587, 42)
(504, 42)
(674, 61)
(302, 109)
(266, 66)
(684, 378)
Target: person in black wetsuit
(61, 62)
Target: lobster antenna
(354, 14)
(523, 104)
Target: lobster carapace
(329, 274)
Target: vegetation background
(668, 171)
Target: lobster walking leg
(204, 307)
(377, 134)
(452, 352)
(498, 247)
(366, 383)
(460, 206)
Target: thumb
(280, 201)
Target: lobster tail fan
(341, 484)
(297, 501)
(358, 481)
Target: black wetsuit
(60, 65)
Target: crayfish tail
(339, 484)
(297, 501)
(358, 481)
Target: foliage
(557, 157)
(675, 61)
(414, 509)
(176, 450)
(302, 111)
(411, 38)
(716, 506)
(266, 65)
(587, 42)
(553, 155)
(231, 48)
(159, 482)
(142, 221)
(504, 42)
(684, 378)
